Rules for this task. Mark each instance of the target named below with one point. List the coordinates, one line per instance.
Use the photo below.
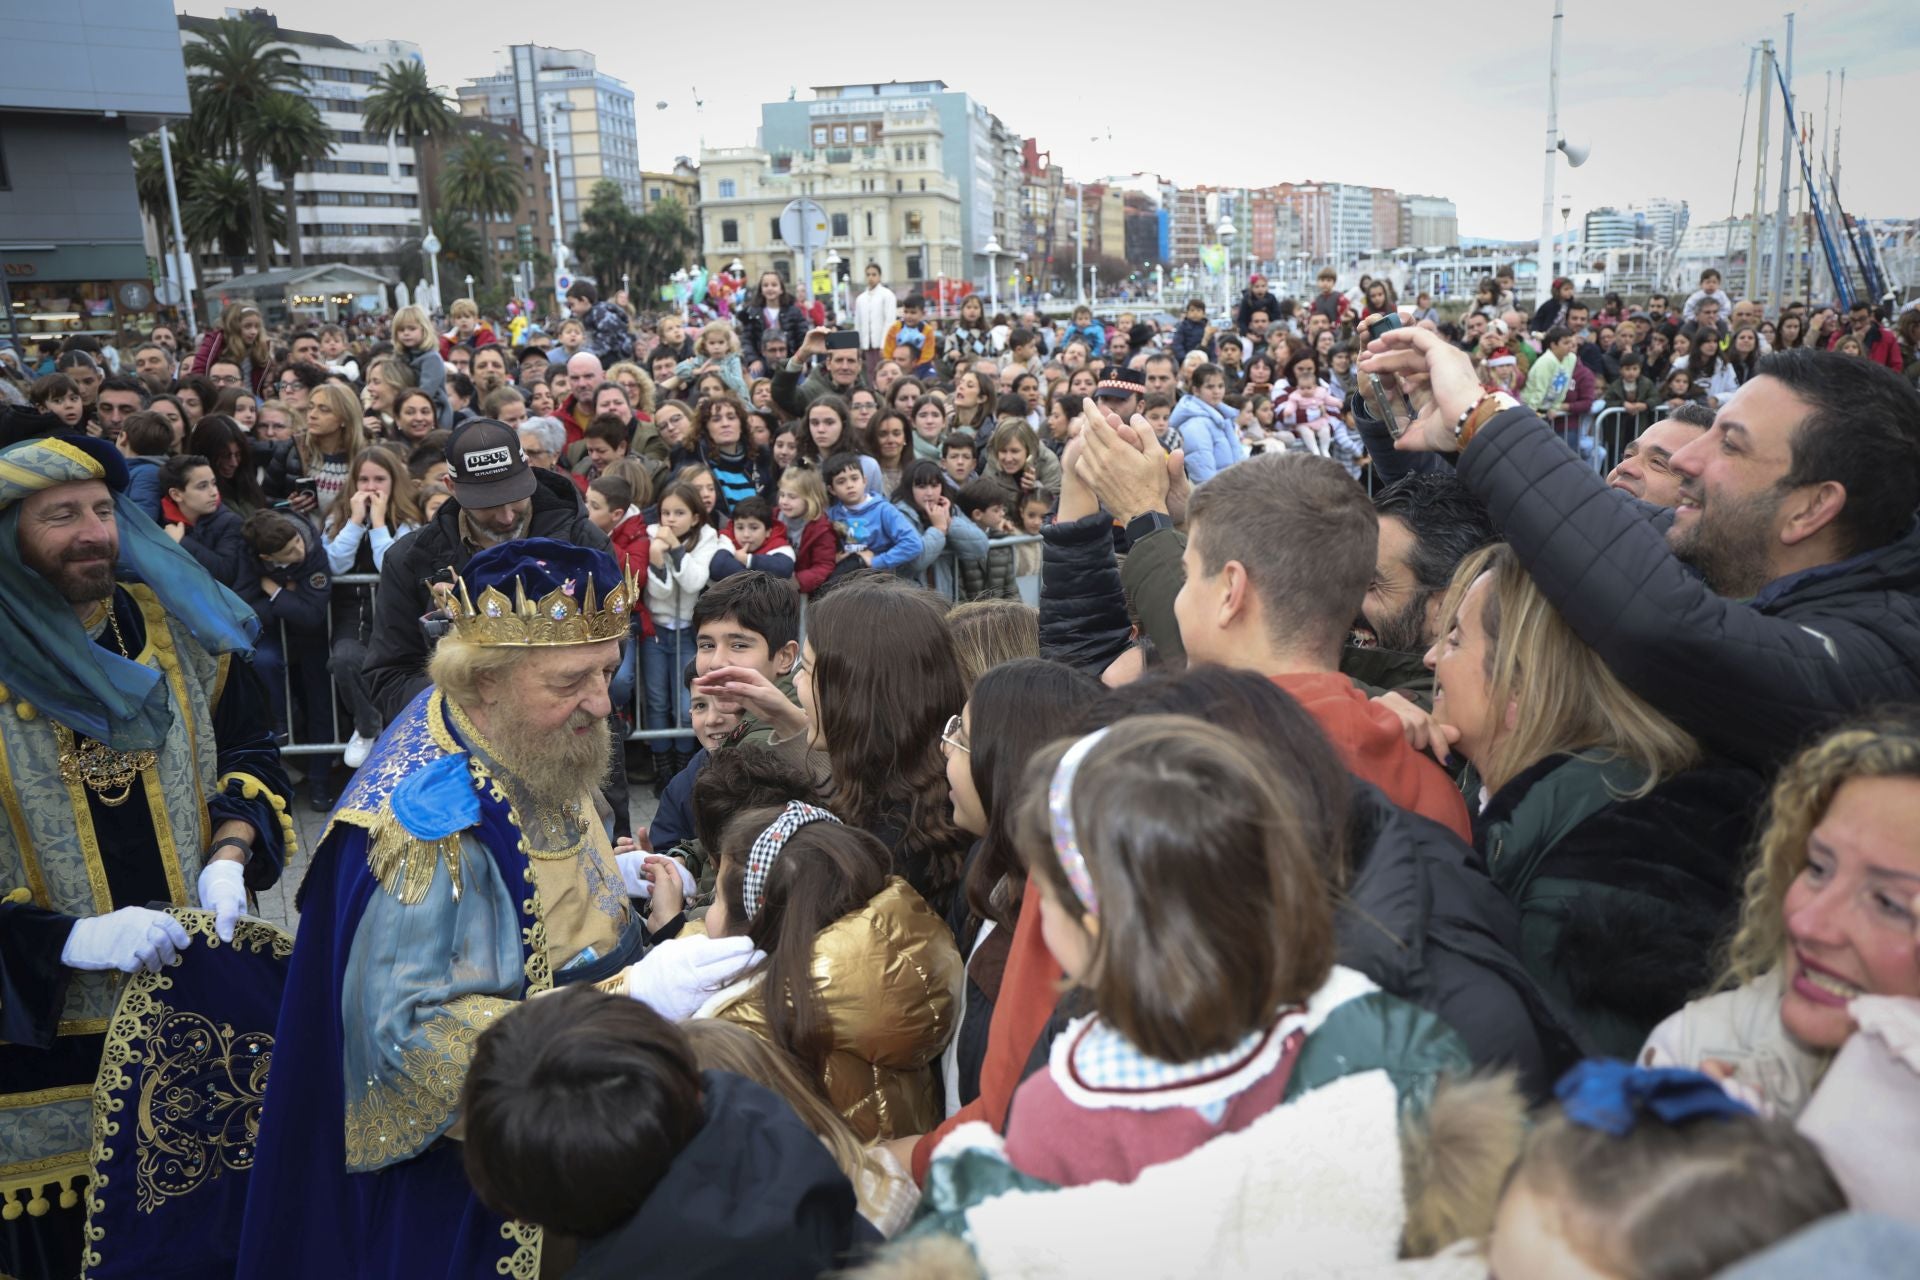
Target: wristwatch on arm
(1145, 523)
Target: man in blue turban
(467, 868)
(136, 767)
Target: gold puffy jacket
(889, 976)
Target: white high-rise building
(361, 203)
(591, 113)
(1665, 220)
(1608, 228)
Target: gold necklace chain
(108, 773)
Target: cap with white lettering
(489, 467)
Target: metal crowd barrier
(1029, 588)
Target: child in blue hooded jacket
(876, 530)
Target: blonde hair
(805, 483)
(987, 633)
(417, 317)
(235, 348)
(296, 418)
(645, 403)
(725, 329)
(395, 372)
(1569, 699)
(1880, 744)
(463, 307)
(1012, 429)
(353, 428)
(719, 1045)
(459, 667)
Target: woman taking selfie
(1595, 813)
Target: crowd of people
(1130, 799)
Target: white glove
(129, 939)
(676, 977)
(633, 870)
(223, 891)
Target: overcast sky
(1444, 97)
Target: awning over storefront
(327, 291)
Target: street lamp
(430, 245)
(1159, 287)
(469, 284)
(1576, 156)
(833, 278)
(992, 250)
(1226, 261)
(549, 118)
(1566, 239)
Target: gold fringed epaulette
(403, 863)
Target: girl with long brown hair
(877, 681)
(242, 340)
(374, 507)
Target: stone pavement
(276, 904)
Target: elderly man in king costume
(466, 869)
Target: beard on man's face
(82, 573)
(556, 765)
(1404, 631)
(1727, 539)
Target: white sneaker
(358, 748)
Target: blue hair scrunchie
(1610, 1095)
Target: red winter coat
(1884, 349)
(213, 342)
(482, 337)
(776, 537)
(630, 550)
(818, 552)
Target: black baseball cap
(489, 467)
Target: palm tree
(480, 180)
(235, 73)
(215, 204)
(403, 103)
(288, 134)
(461, 248)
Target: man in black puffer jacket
(505, 499)
(1780, 595)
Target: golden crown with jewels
(554, 619)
